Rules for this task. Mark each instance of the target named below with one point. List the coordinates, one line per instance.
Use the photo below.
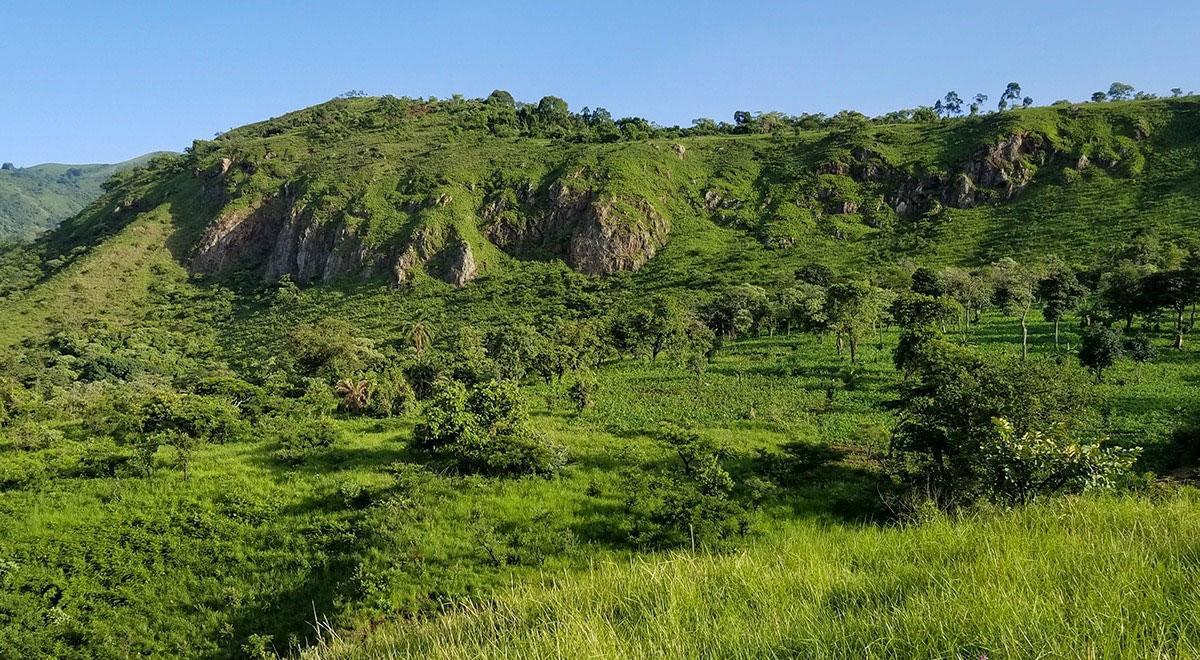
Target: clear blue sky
(100, 82)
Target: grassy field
(1103, 577)
(247, 552)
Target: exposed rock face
(281, 239)
(997, 172)
(461, 267)
(605, 243)
(587, 231)
(241, 236)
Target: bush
(300, 440)
(1017, 467)
(483, 429)
(689, 504)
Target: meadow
(245, 554)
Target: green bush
(301, 439)
(483, 429)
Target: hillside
(34, 199)
(469, 377)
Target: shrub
(302, 439)
(689, 504)
(1017, 467)
(483, 429)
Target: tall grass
(1090, 577)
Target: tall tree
(1119, 91)
(1016, 292)
(853, 309)
(1174, 290)
(1060, 292)
(970, 290)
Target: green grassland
(373, 548)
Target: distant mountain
(34, 199)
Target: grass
(1104, 577)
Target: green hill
(466, 378)
(37, 198)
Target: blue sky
(100, 82)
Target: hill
(37, 198)
(467, 377)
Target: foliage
(483, 429)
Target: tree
(420, 337)
(1141, 350)
(1012, 94)
(1060, 292)
(1099, 349)
(1016, 292)
(1176, 92)
(502, 98)
(329, 347)
(484, 429)
(738, 310)
(660, 324)
(852, 309)
(815, 273)
(1099, 97)
(1119, 91)
(921, 318)
(952, 103)
(1120, 291)
(513, 347)
(928, 282)
(946, 415)
(355, 394)
(582, 392)
(801, 307)
(1027, 102)
(977, 103)
(1173, 289)
(970, 290)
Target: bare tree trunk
(1024, 335)
(1056, 322)
(1179, 328)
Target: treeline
(550, 117)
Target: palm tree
(356, 394)
(420, 337)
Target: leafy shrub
(1017, 467)
(483, 429)
(301, 439)
(688, 504)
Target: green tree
(1017, 293)
(1119, 91)
(1060, 292)
(1141, 350)
(1175, 290)
(853, 309)
(971, 290)
(1100, 348)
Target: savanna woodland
(482, 378)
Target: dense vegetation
(828, 400)
(34, 199)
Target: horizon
(93, 79)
